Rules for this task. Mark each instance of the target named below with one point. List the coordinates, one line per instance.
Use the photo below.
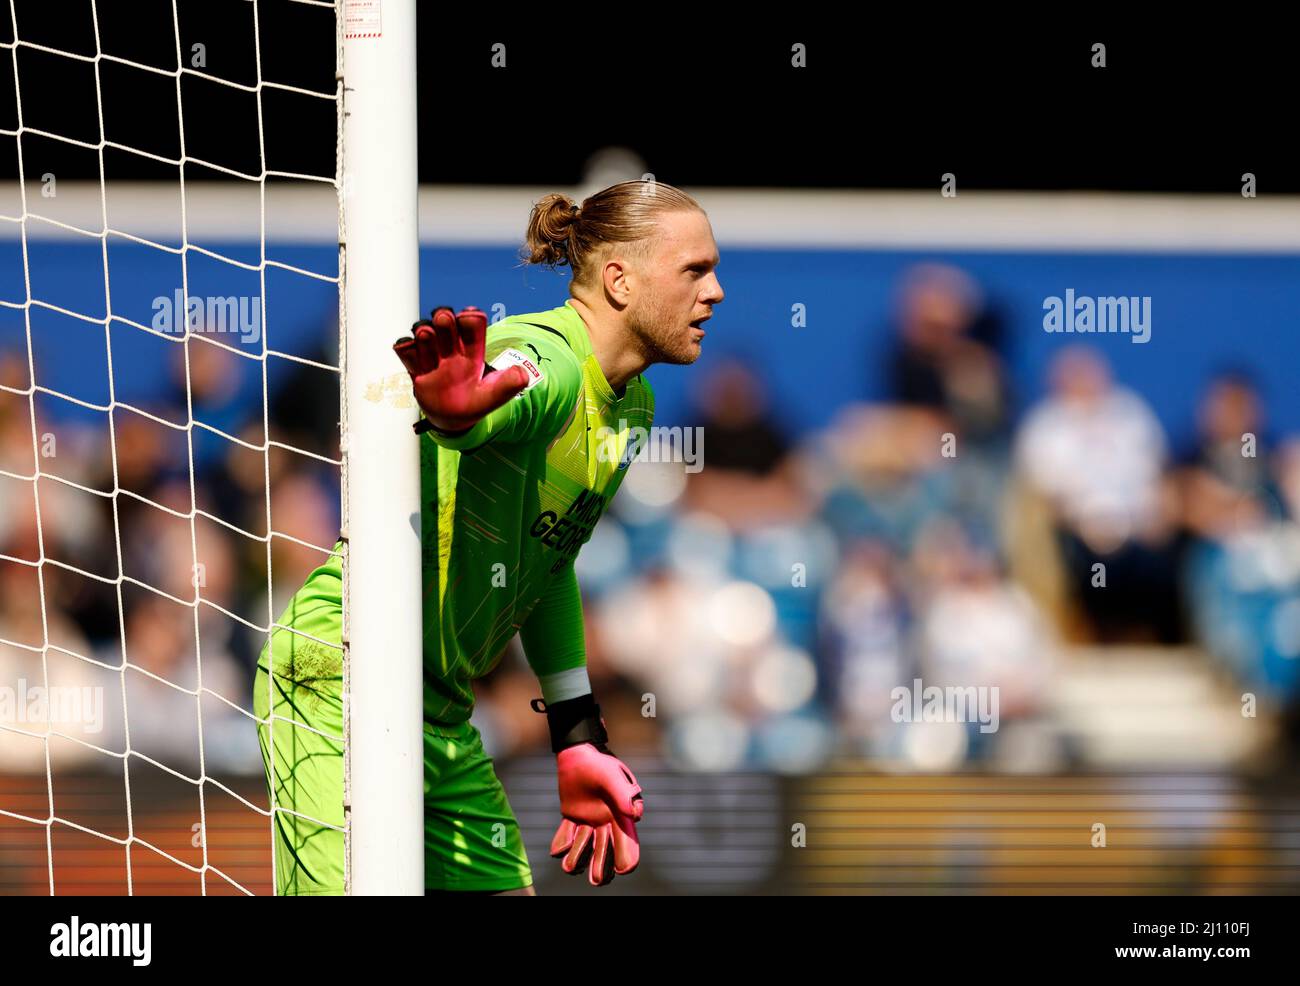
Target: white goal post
(379, 263)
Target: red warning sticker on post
(363, 18)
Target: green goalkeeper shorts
(471, 838)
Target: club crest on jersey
(513, 357)
(629, 453)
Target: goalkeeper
(524, 440)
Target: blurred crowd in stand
(757, 612)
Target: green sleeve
(552, 635)
(537, 412)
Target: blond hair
(561, 232)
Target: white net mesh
(169, 462)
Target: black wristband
(424, 424)
(574, 721)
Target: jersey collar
(596, 375)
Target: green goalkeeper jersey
(507, 504)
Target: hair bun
(623, 216)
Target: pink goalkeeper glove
(452, 384)
(599, 798)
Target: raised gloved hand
(599, 798)
(452, 384)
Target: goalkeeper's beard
(664, 335)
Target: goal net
(207, 245)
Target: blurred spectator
(304, 411)
(863, 643)
(1227, 479)
(220, 387)
(976, 628)
(747, 478)
(306, 510)
(29, 710)
(1241, 571)
(937, 362)
(165, 718)
(733, 411)
(1095, 451)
